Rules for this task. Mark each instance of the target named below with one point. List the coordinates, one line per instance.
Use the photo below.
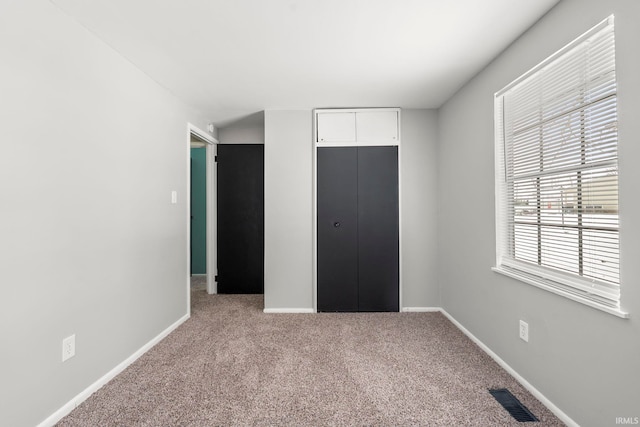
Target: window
(557, 173)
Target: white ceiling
(231, 58)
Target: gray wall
(419, 208)
(289, 209)
(585, 361)
(248, 130)
(90, 149)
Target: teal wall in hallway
(198, 211)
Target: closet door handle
(336, 224)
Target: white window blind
(557, 171)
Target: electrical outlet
(68, 347)
(524, 331)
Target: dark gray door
(337, 229)
(358, 234)
(378, 234)
(240, 218)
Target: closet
(357, 209)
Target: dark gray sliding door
(358, 233)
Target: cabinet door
(377, 127)
(336, 127)
(337, 229)
(378, 229)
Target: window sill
(544, 284)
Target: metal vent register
(512, 405)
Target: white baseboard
(534, 391)
(289, 310)
(83, 395)
(421, 309)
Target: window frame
(592, 292)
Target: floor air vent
(512, 405)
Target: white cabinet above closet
(336, 127)
(362, 126)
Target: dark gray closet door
(358, 229)
(337, 229)
(378, 229)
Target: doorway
(206, 228)
(198, 206)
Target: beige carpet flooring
(198, 283)
(230, 364)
